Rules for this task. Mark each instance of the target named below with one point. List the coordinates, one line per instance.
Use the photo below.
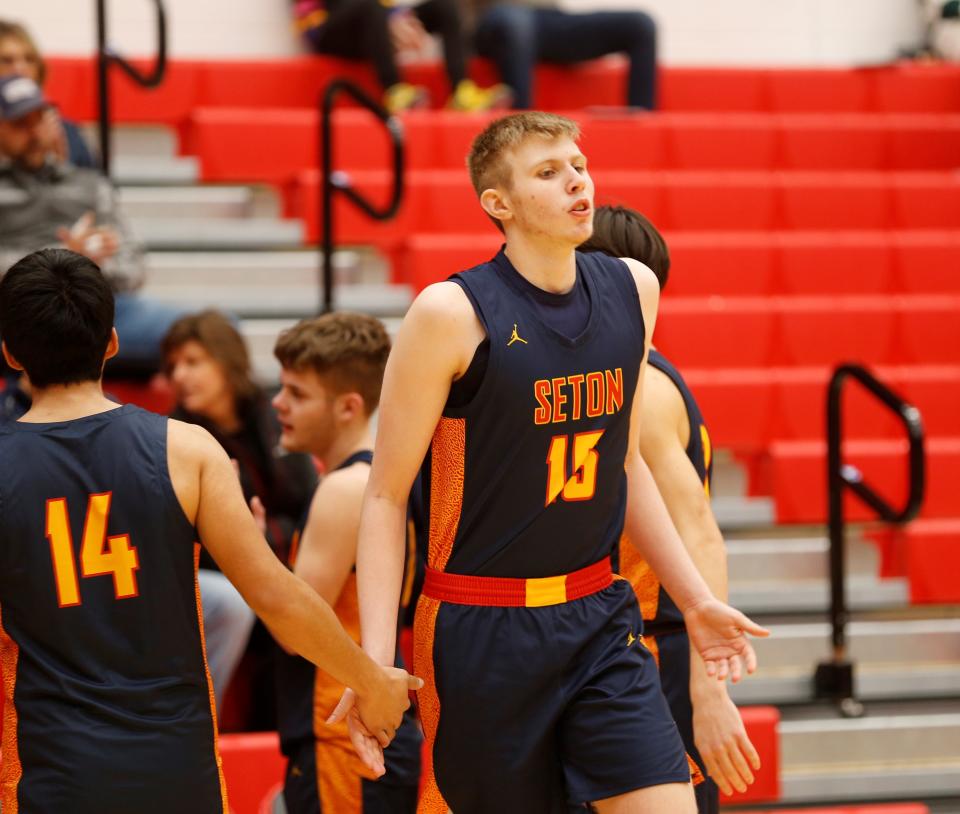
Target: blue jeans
(516, 37)
(141, 324)
(227, 621)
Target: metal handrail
(834, 679)
(334, 181)
(107, 57)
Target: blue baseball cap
(20, 95)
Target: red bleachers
(234, 144)
(798, 478)
(253, 769)
(927, 553)
(296, 82)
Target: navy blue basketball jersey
(526, 479)
(109, 704)
(660, 613)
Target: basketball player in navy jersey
(675, 444)
(331, 374)
(520, 381)
(108, 703)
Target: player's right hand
(379, 712)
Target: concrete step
(272, 302)
(898, 756)
(777, 558)
(147, 170)
(187, 202)
(813, 595)
(734, 512)
(137, 141)
(218, 233)
(893, 660)
(297, 269)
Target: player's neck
(547, 265)
(348, 441)
(67, 402)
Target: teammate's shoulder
(190, 439)
(642, 275)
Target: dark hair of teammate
(623, 232)
(56, 315)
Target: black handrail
(834, 679)
(334, 181)
(107, 57)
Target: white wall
(731, 32)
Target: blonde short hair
(486, 160)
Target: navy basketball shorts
(549, 701)
(673, 653)
(340, 789)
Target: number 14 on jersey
(99, 555)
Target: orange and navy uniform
(536, 692)
(108, 702)
(324, 774)
(664, 631)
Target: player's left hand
(722, 741)
(365, 744)
(718, 632)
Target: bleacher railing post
(333, 181)
(834, 680)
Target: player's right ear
(496, 205)
(9, 358)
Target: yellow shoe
(404, 96)
(469, 96)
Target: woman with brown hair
(19, 55)
(207, 363)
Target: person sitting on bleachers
(517, 34)
(377, 31)
(19, 55)
(207, 363)
(47, 202)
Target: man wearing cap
(45, 202)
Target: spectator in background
(206, 361)
(373, 30)
(517, 34)
(19, 55)
(46, 202)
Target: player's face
(17, 58)
(305, 409)
(551, 193)
(199, 381)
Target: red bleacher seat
(798, 477)
(253, 769)
(762, 725)
(823, 331)
(835, 263)
(927, 553)
(717, 332)
(926, 262)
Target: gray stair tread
(137, 170)
(137, 141)
(794, 559)
(212, 233)
(804, 596)
(186, 201)
(734, 512)
(871, 683)
(872, 782)
(265, 300)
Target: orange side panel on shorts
(424, 627)
(10, 768)
(448, 450)
(206, 669)
(338, 779)
(645, 583)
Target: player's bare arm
(715, 629)
(434, 347)
(211, 498)
(328, 547)
(664, 434)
